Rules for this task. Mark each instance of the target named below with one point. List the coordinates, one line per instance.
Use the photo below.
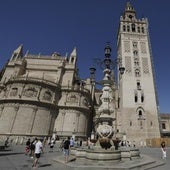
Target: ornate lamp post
(106, 111)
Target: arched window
(135, 53)
(143, 30)
(136, 97)
(138, 29)
(140, 113)
(124, 28)
(137, 73)
(128, 28)
(142, 98)
(138, 86)
(133, 27)
(136, 62)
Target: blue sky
(47, 26)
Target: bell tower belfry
(138, 106)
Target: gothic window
(72, 60)
(163, 126)
(143, 30)
(135, 53)
(137, 73)
(136, 97)
(128, 28)
(151, 123)
(142, 97)
(138, 29)
(140, 113)
(14, 91)
(136, 62)
(133, 27)
(124, 28)
(138, 86)
(135, 44)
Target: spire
(18, 53)
(19, 49)
(73, 56)
(74, 52)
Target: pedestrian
(27, 147)
(66, 149)
(6, 142)
(32, 148)
(71, 142)
(61, 145)
(164, 149)
(52, 142)
(38, 151)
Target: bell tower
(138, 116)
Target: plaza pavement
(15, 159)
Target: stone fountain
(103, 150)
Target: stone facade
(43, 94)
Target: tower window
(137, 73)
(136, 98)
(128, 28)
(135, 53)
(133, 28)
(124, 28)
(138, 86)
(136, 62)
(163, 126)
(138, 29)
(142, 98)
(140, 114)
(143, 30)
(135, 44)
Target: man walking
(66, 149)
(38, 151)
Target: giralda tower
(138, 115)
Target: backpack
(66, 144)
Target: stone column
(1, 110)
(77, 121)
(63, 115)
(16, 108)
(34, 116)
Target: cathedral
(44, 95)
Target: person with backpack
(32, 147)
(66, 149)
(27, 147)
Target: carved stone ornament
(30, 92)
(72, 99)
(104, 131)
(47, 96)
(14, 91)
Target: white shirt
(38, 147)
